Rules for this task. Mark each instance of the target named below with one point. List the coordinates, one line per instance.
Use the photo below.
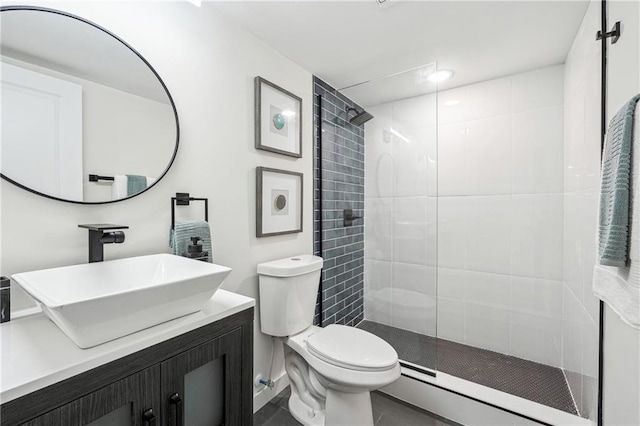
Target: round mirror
(85, 118)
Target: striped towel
(120, 186)
(180, 237)
(613, 231)
(619, 286)
(135, 184)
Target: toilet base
(348, 409)
(342, 409)
(315, 402)
(303, 414)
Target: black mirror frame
(173, 106)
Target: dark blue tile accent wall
(341, 292)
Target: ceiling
(348, 42)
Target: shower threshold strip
(417, 368)
(530, 380)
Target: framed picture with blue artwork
(278, 202)
(278, 119)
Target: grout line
(344, 165)
(478, 195)
(466, 270)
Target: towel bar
(183, 199)
(96, 178)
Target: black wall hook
(614, 34)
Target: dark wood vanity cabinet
(203, 377)
(115, 403)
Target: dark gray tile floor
(531, 380)
(387, 411)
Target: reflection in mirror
(84, 117)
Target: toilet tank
(288, 293)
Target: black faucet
(98, 238)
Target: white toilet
(333, 369)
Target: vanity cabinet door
(122, 403)
(202, 386)
(125, 402)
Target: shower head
(360, 117)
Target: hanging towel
(616, 276)
(135, 184)
(614, 195)
(119, 187)
(180, 236)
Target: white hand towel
(119, 187)
(619, 286)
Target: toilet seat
(352, 349)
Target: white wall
(622, 343)
(582, 187)
(499, 213)
(208, 65)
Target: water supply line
(268, 382)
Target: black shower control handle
(349, 217)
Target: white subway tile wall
(537, 150)
(492, 222)
(377, 297)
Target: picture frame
(279, 195)
(278, 119)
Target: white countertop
(35, 353)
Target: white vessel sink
(97, 302)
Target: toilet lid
(352, 348)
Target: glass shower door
(401, 212)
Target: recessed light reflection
(440, 76)
(399, 135)
(452, 102)
(288, 113)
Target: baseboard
(261, 397)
